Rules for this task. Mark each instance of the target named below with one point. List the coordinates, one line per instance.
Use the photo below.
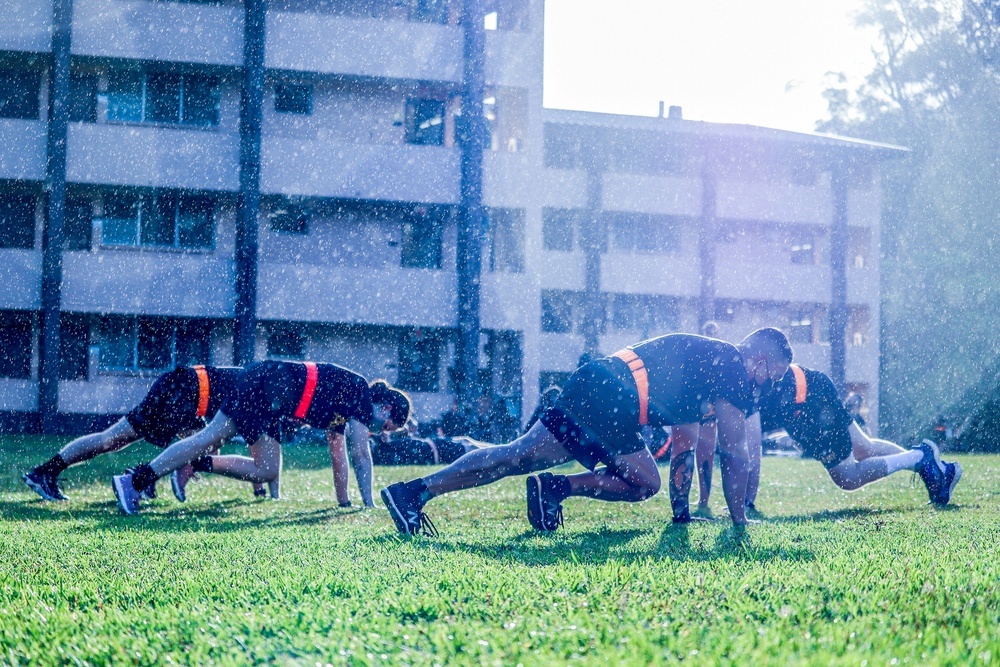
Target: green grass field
(876, 577)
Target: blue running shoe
(931, 470)
(544, 505)
(128, 497)
(403, 502)
(953, 473)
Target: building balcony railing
(774, 202)
(105, 394)
(513, 59)
(509, 179)
(21, 287)
(18, 395)
(647, 193)
(675, 274)
(27, 26)
(393, 296)
(562, 271)
(330, 44)
(560, 352)
(22, 149)
(153, 157)
(428, 174)
(742, 275)
(204, 33)
(150, 283)
(508, 301)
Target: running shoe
(149, 493)
(274, 488)
(259, 492)
(544, 506)
(953, 473)
(403, 502)
(930, 469)
(44, 485)
(125, 492)
(179, 480)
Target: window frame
(134, 325)
(148, 204)
(146, 103)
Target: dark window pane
(19, 94)
(120, 224)
(643, 232)
(800, 328)
(159, 220)
(803, 250)
(194, 222)
(286, 342)
(125, 96)
(163, 97)
(421, 243)
(17, 221)
(557, 228)
(79, 219)
(117, 343)
(425, 122)
(156, 344)
(419, 363)
(15, 345)
(201, 100)
(563, 150)
(289, 219)
(193, 342)
(293, 98)
(74, 341)
(429, 11)
(507, 240)
(557, 312)
(83, 98)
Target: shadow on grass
(857, 513)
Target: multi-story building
(302, 179)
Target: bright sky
(761, 62)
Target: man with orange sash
(598, 417)
(806, 405)
(320, 395)
(180, 402)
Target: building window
(15, 344)
(802, 248)
(286, 342)
(643, 232)
(166, 220)
(506, 240)
(429, 11)
(289, 218)
(648, 314)
(19, 94)
(421, 247)
(556, 379)
(425, 122)
(557, 311)
(293, 98)
(563, 149)
(17, 221)
(83, 98)
(419, 362)
(800, 328)
(725, 311)
(163, 97)
(78, 224)
(74, 343)
(558, 228)
(151, 343)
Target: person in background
(854, 403)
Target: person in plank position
(179, 403)
(324, 396)
(673, 379)
(806, 405)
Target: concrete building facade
(219, 181)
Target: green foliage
(934, 91)
(830, 578)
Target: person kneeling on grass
(323, 396)
(673, 379)
(805, 404)
(179, 403)
(405, 448)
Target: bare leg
(866, 447)
(705, 458)
(629, 478)
(852, 474)
(685, 438)
(184, 451)
(535, 450)
(264, 467)
(117, 436)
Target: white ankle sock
(907, 460)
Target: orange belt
(800, 383)
(203, 390)
(641, 378)
(312, 375)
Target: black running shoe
(149, 493)
(544, 506)
(44, 485)
(952, 473)
(260, 493)
(931, 470)
(403, 502)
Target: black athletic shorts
(168, 408)
(830, 448)
(597, 414)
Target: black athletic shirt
(821, 416)
(341, 394)
(689, 373)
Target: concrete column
(838, 278)
(592, 239)
(251, 106)
(707, 232)
(52, 242)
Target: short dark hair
(398, 401)
(770, 339)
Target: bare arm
(735, 458)
(361, 459)
(338, 459)
(754, 450)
